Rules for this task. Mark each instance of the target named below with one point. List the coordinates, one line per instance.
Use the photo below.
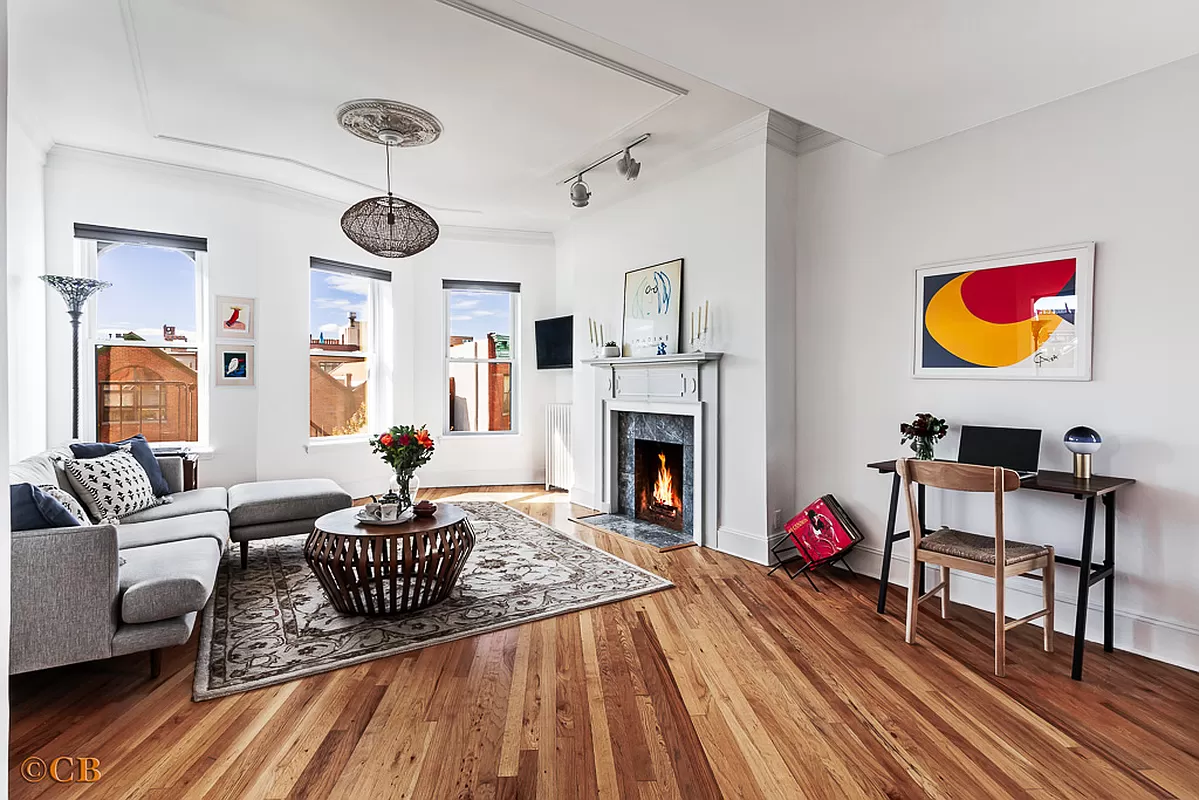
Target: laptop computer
(1017, 449)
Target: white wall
(1116, 165)
(27, 322)
(713, 217)
(260, 238)
(5, 527)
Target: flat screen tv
(555, 343)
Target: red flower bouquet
(405, 448)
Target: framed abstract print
(652, 298)
(234, 365)
(235, 317)
(1024, 316)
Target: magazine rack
(822, 534)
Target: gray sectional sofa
(97, 591)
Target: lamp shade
(75, 291)
(389, 227)
(1082, 440)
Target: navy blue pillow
(141, 451)
(32, 509)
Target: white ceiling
(893, 74)
(250, 88)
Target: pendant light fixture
(389, 226)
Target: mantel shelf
(677, 358)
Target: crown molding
(65, 155)
(567, 47)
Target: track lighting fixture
(580, 194)
(627, 166)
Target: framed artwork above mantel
(652, 298)
(1021, 316)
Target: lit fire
(663, 486)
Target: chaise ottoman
(266, 509)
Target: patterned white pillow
(69, 502)
(110, 486)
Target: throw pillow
(68, 500)
(114, 485)
(32, 509)
(141, 451)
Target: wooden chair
(971, 552)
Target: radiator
(559, 465)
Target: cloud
(461, 317)
(463, 304)
(330, 327)
(348, 283)
(339, 304)
(484, 312)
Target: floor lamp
(75, 291)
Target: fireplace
(655, 458)
(658, 483)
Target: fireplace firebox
(658, 483)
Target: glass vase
(404, 486)
(924, 449)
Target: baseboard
(743, 545)
(582, 497)
(1160, 639)
(481, 477)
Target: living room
(403, 522)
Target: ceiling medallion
(380, 120)
(389, 227)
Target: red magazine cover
(822, 530)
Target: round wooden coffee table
(389, 569)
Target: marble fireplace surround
(634, 426)
(685, 386)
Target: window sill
(333, 441)
(480, 434)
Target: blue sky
(334, 296)
(151, 287)
(477, 314)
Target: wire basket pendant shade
(388, 226)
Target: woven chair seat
(973, 547)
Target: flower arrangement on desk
(405, 448)
(923, 432)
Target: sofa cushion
(212, 525)
(167, 580)
(42, 469)
(70, 502)
(280, 501)
(184, 504)
(141, 451)
(111, 486)
(32, 509)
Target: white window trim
(379, 370)
(446, 360)
(87, 265)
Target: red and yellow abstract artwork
(1022, 316)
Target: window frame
(87, 264)
(378, 322)
(513, 292)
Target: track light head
(628, 166)
(580, 195)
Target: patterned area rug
(271, 623)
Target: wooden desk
(1090, 573)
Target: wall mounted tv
(555, 342)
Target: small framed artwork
(652, 298)
(235, 317)
(234, 365)
(1023, 316)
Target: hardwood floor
(731, 684)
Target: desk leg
(1109, 563)
(1084, 587)
(888, 543)
(923, 527)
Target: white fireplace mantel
(683, 384)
